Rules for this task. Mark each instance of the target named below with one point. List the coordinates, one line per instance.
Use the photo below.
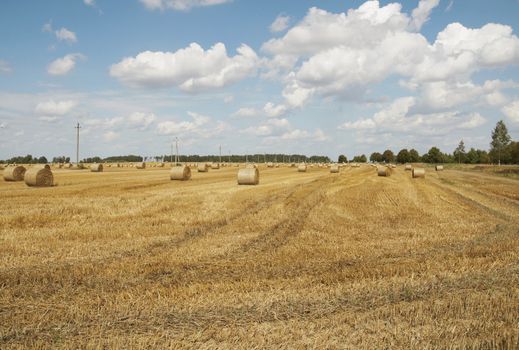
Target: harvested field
(127, 258)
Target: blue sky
(314, 77)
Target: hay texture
(383, 171)
(439, 168)
(334, 169)
(418, 172)
(202, 168)
(96, 168)
(248, 176)
(408, 167)
(14, 173)
(251, 166)
(180, 172)
(140, 165)
(270, 165)
(39, 177)
(301, 168)
(215, 166)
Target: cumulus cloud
(191, 69)
(110, 136)
(245, 112)
(5, 67)
(512, 111)
(141, 120)
(420, 15)
(64, 34)
(136, 120)
(342, 55)
(55, 108)
(180, 5)
(89, 2)
(64, 65)
(280, 24)
(198, 125)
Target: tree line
(502, 151)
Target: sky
(323, 77)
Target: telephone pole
(176, 155)
(220, 154)
(77, 127)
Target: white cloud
(180, 5)
(273, 111)
(358, 125)
(473, 121)
(279, 24)
(420, 15)
(141, 120)
(271, 127)
(5, 67)
(66, 35)
(55, 108)
(245, 112)
(195, 126)
(110, 136)
(89, 2)
(191, 69)
(47, 27)
(228, 99)
(512, 111)
(64, 65)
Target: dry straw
(96, 168)
(439, 168)
(202, 168)
(248, 176)
(418, 172)
(39, 177)
(14, 173)
(39, 166)
(334, 168)
(215, 166)
(251, 166)
(270, 165)
(301, 168)
(140, 165)
(383, 171)
(408, 167)
(180, 172)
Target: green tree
(459, 152)
(375, 157)
(388, 156)
(514, 152)
(403, 156)
(342, 159)
(363, 159)
(434, 156)
(42, 160)
(500, 140)
(472, 157)
(414, 157)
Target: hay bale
(251, 166)
(301, 168)
(140, 165)
(161, 165)
(1, 167)
(180, 172)
(334, 169)
(439, 168)
(14, 173)
(408, 167)
(39, 177)
(202, 168)
(383, 171)
(215, 166)
(270, 165)
(248, 176)
(40, 166)
(96, 168)
(418, 172)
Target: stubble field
(129, 259)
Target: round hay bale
(140, 165)
(439, 168)
(277, 165)
(293, 165)
(14, 173)
(161, 165)
(215, 166)
(1, 167)
(270, 165)
(202, 168)
(334, 169)
(248, 176)
(301, 168)
(39, 177)
(180, 172)
(251, 166)
(418, 172)
(383, 171)
(408, 167)
(96, 168)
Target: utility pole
(220, 154)
(229, 156)
(77, 127)
(171, 154)
(176, 154)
